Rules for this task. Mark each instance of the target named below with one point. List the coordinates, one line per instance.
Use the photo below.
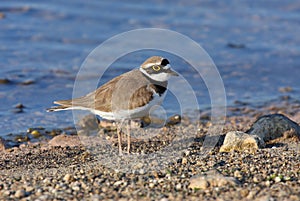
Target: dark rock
(236, 45)
(19, 106)
(270, 127)
(4, 80)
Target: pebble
(237, 174)
(20, 193)
(255, 180)
(35, 133)
(59, 173)
(19, 106)
(277, 179)
(178, 186)
(4, 80)
(184, 161)
(211, 178)
(68, 177)
(28, 82)
(151, 185)
(118, 183)
(240, 141)
(64, 140)
(285, 89)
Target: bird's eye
(156, 68)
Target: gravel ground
(38, 172)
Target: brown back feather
(127, 91)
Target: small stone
(35, 133)
(237, 174)
(178, 186)
(142, 171)
(65, 140)
(211, 178)
(75, 188)
(251, 195)
(239, 141)
(7, 192)
(68, 177)
(19, 106)
(108, 125)
(285, 89)
(244, 192)
(28, 82)
(29, 189)
(4, 80)
(2, 16)
(255, 180)
(39, 192)
(20, 193)
(21, 138)
(277, 179)
(236, 45)
(268, 183)
(184, 161)
(47, 181)
(198, 184)
(173, 120)
(118, 183)
(151, 185)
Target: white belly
(131, 114)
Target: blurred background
(255, 46)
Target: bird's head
(157, 68)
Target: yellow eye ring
(156, 68)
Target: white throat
(160, 77)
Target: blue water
(46, 42)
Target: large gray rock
(270, 127)
(240, 141)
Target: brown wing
(99, 99)
(127, 91)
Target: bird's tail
(62, 105)
(58, 108)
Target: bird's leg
(128, 135)
(119, 132)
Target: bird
(126, 97)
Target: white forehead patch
(150, 64)
(168, 66)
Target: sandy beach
(37, 171)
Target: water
(254, 44)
